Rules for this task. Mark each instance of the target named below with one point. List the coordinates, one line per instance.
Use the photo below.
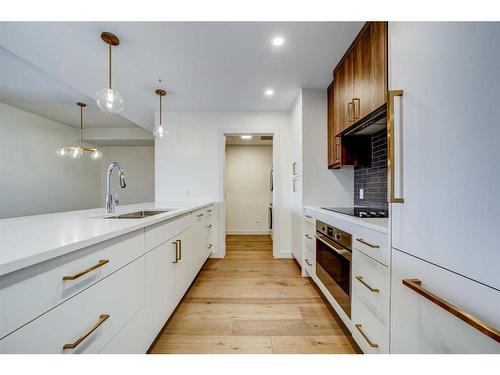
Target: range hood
(370, 124)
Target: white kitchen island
(78, 282)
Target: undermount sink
(138, 214)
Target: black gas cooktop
(360, 211)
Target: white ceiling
(205, 65)
(29, 88)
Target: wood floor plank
(332, 344)
(178, 344)
(250, 302)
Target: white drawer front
(309, 238)
(120, 296)
(310, 262)
(309, 216)
(44, 283)
(419, 325)
(369, 332)
(373, 243)
(162, 232)
(371, 282)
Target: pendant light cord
(160, 109)
(110, 65)
(81, 126)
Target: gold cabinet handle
(102, 319)
(356, 116)
(209, 211)
(199, 215)
(209, 246)
(180, 249)
(308, 236)
(360, 279)
(350, 116)
(101, 263)
(176, 252)
(365, 242)
(416, 286)
(209, 226)
(294, 170)
(391, 161)
(307, 261)
(308, 216)
(370, 342)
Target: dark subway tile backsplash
(373, 180)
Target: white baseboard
(246, 232)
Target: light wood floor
(249, 302)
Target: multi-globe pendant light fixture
(159, 130)
(109, 100)
(76, 152)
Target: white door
(160, 288)
(187, 266)
(450, 76)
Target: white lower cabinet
(86, 322)
(368, 330)
(420, 325)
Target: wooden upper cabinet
(370, 70)
(360, 79)
(331, 126)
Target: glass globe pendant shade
(76, 153)
(159, 132)
(61, 152)
(109, 100)
(96, 155)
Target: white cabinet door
(161, 296)
(187, 266)
(419, 325)
(450, 152)
(297, 219)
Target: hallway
(249, 302)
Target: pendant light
(76, 152)
(109, 100)
(159, 130)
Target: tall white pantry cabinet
(445, 280)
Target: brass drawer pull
(308, 216)
(209, 226)
(176, 252)
(102, 319)
(307, 261)
(180, 249)
(370, 342)
(294, 171)
(365, 242)
(209, 210)
(101, 263)
(360, 279)
(391, 157)
(199, 215)
(416, 286)
(209, 246)
(308, 236)
(350, 116)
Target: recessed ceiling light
(278, 41)
(269, 92)
(246, 137)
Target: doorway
(248, 190)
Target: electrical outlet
(361, 194)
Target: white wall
(33, 179)
(139, 166)
(188, 162)
(248, 192)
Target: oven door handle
(342, 253)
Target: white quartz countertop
(28, 240)
(378, 224)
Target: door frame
(221, 150)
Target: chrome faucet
(111, 201)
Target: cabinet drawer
(44, 283)
(373, 243)
(371, 284)
(310, 262)
(419, 325)
(369, 332)
(309, 239)
(162, 232)
(119, 296)
(309, 216)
